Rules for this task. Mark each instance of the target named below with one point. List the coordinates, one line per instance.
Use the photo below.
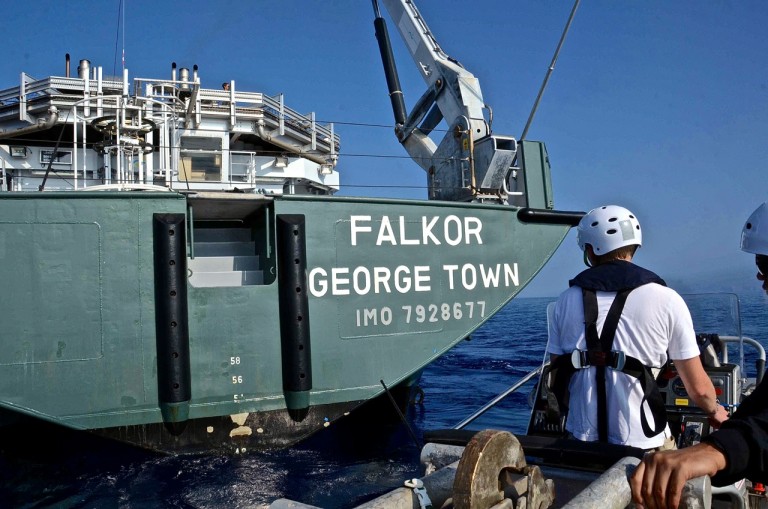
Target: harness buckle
(619, 359)
(579, 359)
(583, 359)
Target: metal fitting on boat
(418, 488)
(493, 471)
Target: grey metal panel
(51, 271)
(222, 234)
(223, 263)
(225, 248)
(538, 184)
(226, 279)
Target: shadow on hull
(347, 426)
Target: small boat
(178, 272)
(494, 468)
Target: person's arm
(699, 387)
(744, 440)
(738, 450)
(658, 480)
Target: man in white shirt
(608, 375)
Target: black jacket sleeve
(744, 440)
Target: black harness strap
(651, 395)
(561, 370)
(600, 347)
(599, 350)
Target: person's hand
(719, 417)
(658, 480)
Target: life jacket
(621, 277)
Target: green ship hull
(223, 321)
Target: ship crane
(470, 163)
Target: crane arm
(469, 161)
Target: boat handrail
(726, 339)
(498, 398)
(126, 187)
(760, 365)
(255, 100)
(63, 91)
(295, 119)
(53, 86)
(733, 493)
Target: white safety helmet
(608, 228)
(754, 235)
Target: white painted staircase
(224, 257)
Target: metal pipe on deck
(42, 125)
(83, 70)
(611, 490)
(434, 456)
(86, 95)
(184, 89)
(126, 85)
(439, 485)
(263, 134)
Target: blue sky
(658, 106)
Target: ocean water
(343, 466)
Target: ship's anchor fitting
(492, 473)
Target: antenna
(122, 3)
(120, 31)
(549, 71)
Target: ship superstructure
(89, 131)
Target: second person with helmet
(611, 331)
(740, 448)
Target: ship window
(200, 159)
